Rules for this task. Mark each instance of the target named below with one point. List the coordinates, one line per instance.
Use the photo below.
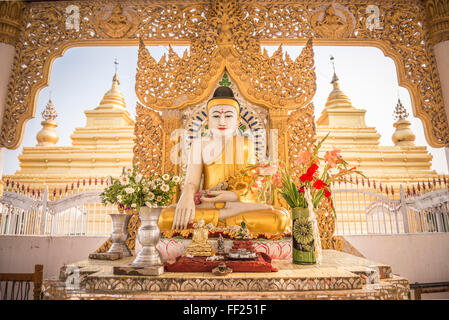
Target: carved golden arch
(399, 30)
(389, 52)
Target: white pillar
(441, 51)
(6, 58)
(447, 157)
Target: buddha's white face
(223, 120)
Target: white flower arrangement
(124, 180)
(128, 170)
(132, 190)
(129, 190)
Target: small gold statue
(200, 247)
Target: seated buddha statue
(222, 157)
(200, 247)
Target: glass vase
(302, 236)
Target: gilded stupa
(100, 148)
(359, 144)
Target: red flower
(301, 190)
(327, 193)
(306, 177)
(313, 168)
(319, 184)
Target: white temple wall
(417, 257)
(19, 254)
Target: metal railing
(364, 207)
(75, 209)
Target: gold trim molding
(10, 21)
(398, 28)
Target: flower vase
(119, 234)
(302, 237)
(148, 236)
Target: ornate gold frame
(404, 37)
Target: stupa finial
(47, 136)
(49, 113)
(335, 77)
(400, 112)
(337, 98)
(113, 98)
(403, 135)
(115, 80)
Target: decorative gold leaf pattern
(148, 147)
(220, 34)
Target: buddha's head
(223, 112)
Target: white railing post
(404, 210)
(44, 211)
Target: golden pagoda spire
(47, 136)
(114, 97)
(403, 135)
(337, 98)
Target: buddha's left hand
(219, 196)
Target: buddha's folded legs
(274, 220)
(208, 215)
(262, 221)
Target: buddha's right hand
(184, 213)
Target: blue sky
(80, 78)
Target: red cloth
(200, 264)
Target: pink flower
(304, 158)
(332, 157)
(269, 170)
